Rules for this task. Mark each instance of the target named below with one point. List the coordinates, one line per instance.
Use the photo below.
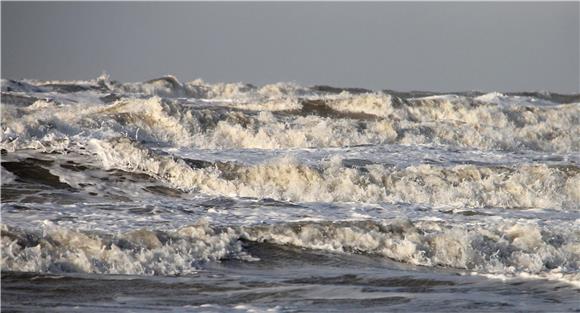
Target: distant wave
(279, 116)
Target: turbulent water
(164, 195)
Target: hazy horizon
(433, 46)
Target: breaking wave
(527, 186)
(286, 116)
(507, 159)
(508, 248)
(139, 252)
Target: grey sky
(403, 46)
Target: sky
(434, 46)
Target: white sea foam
(502, 248)
(494, 247)
(456, 121)
(142, 252)
(529, 186)
(487, 183)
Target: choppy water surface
(170, 196)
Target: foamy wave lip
(169, 86)
(506, 100)
(277, 116)
(554, 275)
(140, 252)
(527, 186)
(379, 104)
(497, 248)
(510, 249)
(51, 127)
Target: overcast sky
(405, 46)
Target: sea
(170, 196)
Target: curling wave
(140, 252)
(526, 186)
(507, 248)
(280, 116)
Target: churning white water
(306, 197)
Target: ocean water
(196, 197)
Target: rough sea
(165, 196)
